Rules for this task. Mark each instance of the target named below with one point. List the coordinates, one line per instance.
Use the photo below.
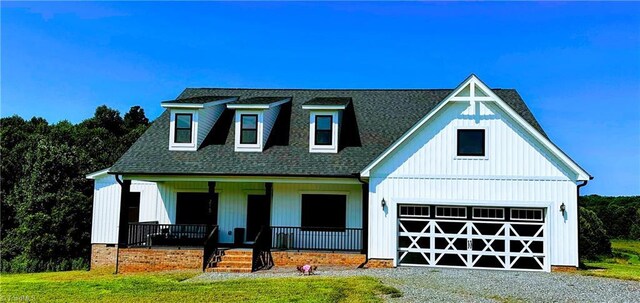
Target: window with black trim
(324, 134)
(248, 129)
(183, 128)
(471, 142)
(324, 212)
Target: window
(184, 128)
(248, 129)
(193, 208)
(414, 211)
(471, 142)
(324, 130)
(526, 214)
(324, 212)
(133, 213)
(451, 212)
(488, 213)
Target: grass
(82, 286)
(623, 264)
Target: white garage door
(469, 236)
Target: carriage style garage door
(471, 236)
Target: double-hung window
(324, 131)
(248, 129)
(183, 128)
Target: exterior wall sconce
(383, 203)
(563, 208)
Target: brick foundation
(150, 260)
(103, 257)
(563, 268)
(379, 263)
(293, 258)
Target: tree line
(46, 201)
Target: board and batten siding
(158, 203)
(106, 207)
(516, 171)
(207, 117)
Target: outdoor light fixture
(562, 208)
(383, 203)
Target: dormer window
(254, 119)
(248, 129)
(324, 130)
(184, 128)
(325, 116)
(191, 119)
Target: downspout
(365, 220)
(578, 214)
(118, 244)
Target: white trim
(335, 127)
(476, 177)
(191, 146)
(258, 106)
(582, 175)
(94, 175)
(257, 147)
(197, 105)
(324, 107)
(245, 179)
(493, 203)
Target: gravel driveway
(467, 285)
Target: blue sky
(577, 65)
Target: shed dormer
(325, 117)
(191, 119)
(254, 119)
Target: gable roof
(465, 92)
(373, 121)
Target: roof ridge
(332, 89)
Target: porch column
(123, 225)
(365, 217)
(268, 191)
(212, 209)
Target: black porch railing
(262, 250)
(324, 239)
(147, 234)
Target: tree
(135, 118)
(593, 239)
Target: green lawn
(624, 264)
(82, 286)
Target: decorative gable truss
(474, 91)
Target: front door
(258, 210)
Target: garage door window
(414, 211)
(526, 214)
(488, 213)
(451, 212)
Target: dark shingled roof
(371, 123)
(198, 100)
(259, 100)
(328, 101)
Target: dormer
(254, 119)
(191, 119)
(325, 119)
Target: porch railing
(262, 250)
(325, 238)
(147, 234)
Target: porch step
(234, 260)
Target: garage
(507, 238)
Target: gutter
(578, 213)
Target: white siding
(269, 120)
(207, 117)
(515, 171)
(106, 207)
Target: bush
(593, 238)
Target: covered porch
(294, 215)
